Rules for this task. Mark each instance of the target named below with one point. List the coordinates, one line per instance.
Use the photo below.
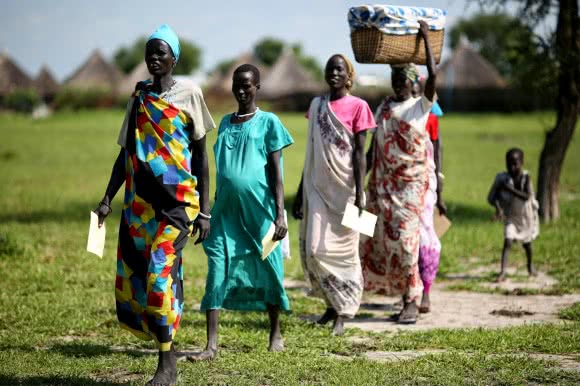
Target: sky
(62, 33)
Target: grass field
(57, 319)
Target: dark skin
(514, 165)
(336, 76)
(160, 62)
(438, 158)
(245, 88)
(403, 89)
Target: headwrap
(436, 109)
(349, 70)
(408, 69)
(165, 33)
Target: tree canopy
(268, 50)
(127, 58)
(519, 55)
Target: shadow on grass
(72, 211)
(461, 213)
(54, 380)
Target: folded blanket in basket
(395, 20)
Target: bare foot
(425, 306)
(501, 277)
(276, 344)
(166, 374)
(329, 314)
(207, 355)
(338, 327)
(409, 314)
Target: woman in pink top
(333, 175)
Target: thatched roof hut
(288, 77)
(97, 73)
(11, 76)
(220, 84)
(467, 69)
(45, 83)
(138, 74)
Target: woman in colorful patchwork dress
(397, 187)
(333, 176)
(249, 200)
(163, 163)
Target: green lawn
(57, 319)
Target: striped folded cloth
(395, 20)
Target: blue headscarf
(436, 109)
(165, 33)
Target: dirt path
(453, 309)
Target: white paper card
(268, 244)
(96, 241)
(365, 223)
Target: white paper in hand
(96, 241)
(365, 223)
(268, 244)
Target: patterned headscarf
(409, 70)
(349, 70)
(165, 33)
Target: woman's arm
(360, 166)
(277, 188)
(115, 182)
(199, 168)
(430, 83)
(437, 152)
(369, 155)
(297, 212)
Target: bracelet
(441, 175)
(203, 215)
(107, 205)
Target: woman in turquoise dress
(249, 199)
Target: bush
(76, 99)
(22, 100)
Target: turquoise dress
(244, 209)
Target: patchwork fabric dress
(160, 205)
(396, 193)
(244, 210)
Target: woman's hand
(441, 206)
(297, 211)
(280, 228)
(423, 28)
(102, 211)
(202, 226)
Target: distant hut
(95, 73)
(220, 83)
(46, 85)
(468, 82)
(11, 76)
(289, 85)
(138, 74)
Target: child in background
(513, 198)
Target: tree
(521, 57)
(127, 58)
(566, 51)
(268, 50)
(308, 62)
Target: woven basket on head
(373, 46)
